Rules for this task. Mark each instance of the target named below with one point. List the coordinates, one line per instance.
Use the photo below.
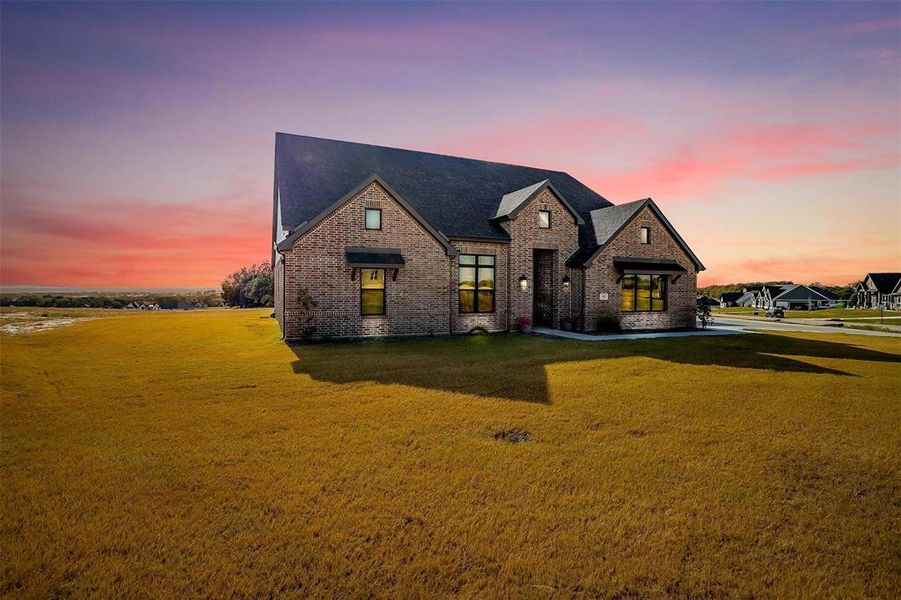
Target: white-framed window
(373, 218)
(544, 219)
(645, 235)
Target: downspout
(284, 295)
(450, 295)
(509, 289)
(584, 297)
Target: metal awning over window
(647, 266)
(374, 258)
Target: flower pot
(566, 326)
(526, 329)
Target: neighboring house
(804, 297)
(728, 299)
(768, 293)
(748, 297)
(396, 242)
(878, 290)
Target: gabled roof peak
(609, 221)
(513, 202)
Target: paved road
(721, 326)
(738, 324)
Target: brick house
(395, 242)
(878, 290)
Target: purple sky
(137, 139)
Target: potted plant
(524, 324)
(568, 323)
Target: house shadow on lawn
(513, 366)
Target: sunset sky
(137, 139)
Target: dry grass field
(194, 454)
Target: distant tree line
(249, 287)
(112, 300)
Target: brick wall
(418, 302)
(526, 236)
(424, 297)
(601, 277)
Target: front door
(543, 294)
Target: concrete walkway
(721, 326)
(612, 337)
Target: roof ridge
(479, 160)
(624, 204)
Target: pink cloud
(832, 266)
(121, 243)
(771, 154)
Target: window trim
(634, 276)
(365, 212)
(643, 229)
(477, 289)
(384, 291)
(549, 219)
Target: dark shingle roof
(458, 196)
(824, 292)
(885, 282)
(512, 201)
(775, 290)
(730, 296)
(802, 292)
(607, 221)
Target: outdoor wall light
(523, 283)
(566, 283)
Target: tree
(305, 307)
(249, 287)
(703, 312)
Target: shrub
(608, 324)
(703, 313)
(249, 287)
(305, 307)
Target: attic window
(544, 219)
(373, 218)
(645, 235)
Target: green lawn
(826, 313)
(162, 455)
